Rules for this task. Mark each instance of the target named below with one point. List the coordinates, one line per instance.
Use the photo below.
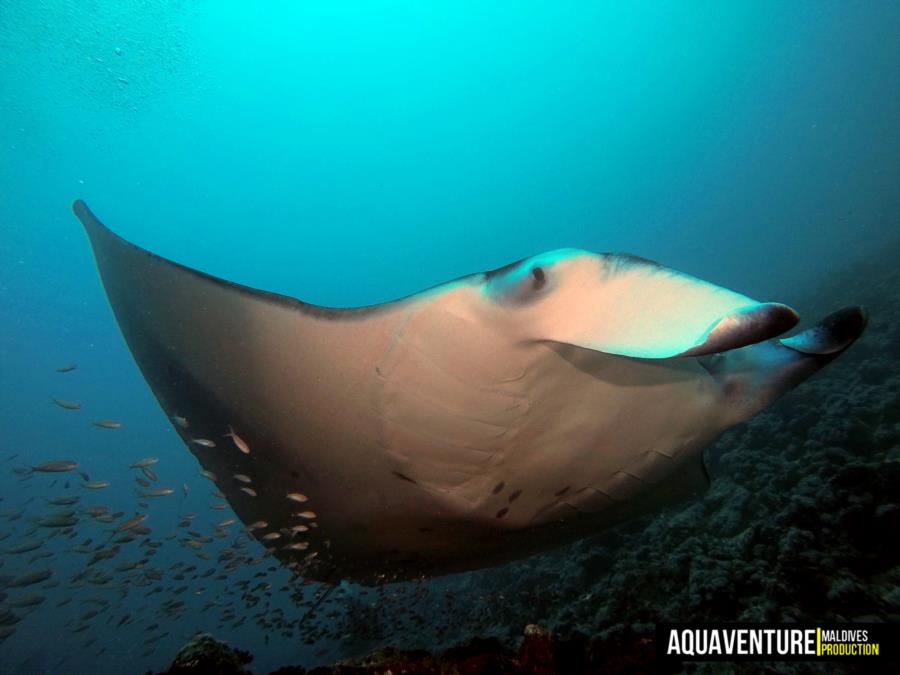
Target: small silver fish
(296, 546)
(65, 500)
(158, 492)
(57, 466)
(298, 497)
(30, 600)
(60, 520)
(26, 547)
(30, 579)
(238, 441)
(68, 405)
(205, 442)
(103, 554)
(180, 421)
(141, 463)
(107, 424)
(68, 368)
(96, 484)
(131, 523)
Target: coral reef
(204, 655)
(540, 653)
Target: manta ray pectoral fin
(221, 356)
(182, 324)
(195, 337)
(121, 262)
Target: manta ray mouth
(832, 335)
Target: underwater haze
(352, 153)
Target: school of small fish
(225, 575)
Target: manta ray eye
(538, 278)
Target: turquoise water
(352, 153)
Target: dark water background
(350, 153)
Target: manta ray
(482, 420)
